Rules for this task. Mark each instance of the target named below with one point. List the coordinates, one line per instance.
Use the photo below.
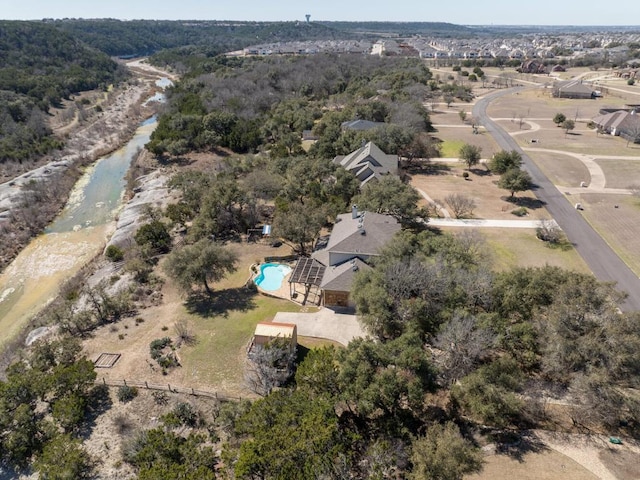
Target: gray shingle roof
(361, 236)
(368, 162)
(340, 277)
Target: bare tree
(461, 345)
(460, 204)
(632, 132)
(269, 365)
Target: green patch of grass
(217, 357)
(513, 247)
(450, 148)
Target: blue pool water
(271, 276)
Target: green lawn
(451, 148)
(515, 247)
(217, 357)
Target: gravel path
(585, 449)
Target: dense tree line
(48, 65)
(251, 103)
(145, 37)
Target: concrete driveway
(326, 323)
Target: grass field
(514, 247)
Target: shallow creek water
(78, 234)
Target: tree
(462, 344)
(391, 377)
(269, 365)
(461, 205)
(163, 454)
(420, 148)
(292, 435)
(63, 458)
(567, 125)
(515, 180)
(200, 264)
(390, 196)
(154, 235)
(488, 394)
(443, 454)
(224, 208)
(299, 224)
(503, 161)
(559, 118)
(470, 155)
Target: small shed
(266, 332)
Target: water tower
(307, 16)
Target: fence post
(169, 385)
(104, 381)
(192, 391)
(146, 384)
(125, 382)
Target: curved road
(602, 260)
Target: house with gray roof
(356, 238)
(368, 163)
(623, 123)
(573, 89)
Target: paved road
(602, 260)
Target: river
(79, 233)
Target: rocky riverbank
(31, 200)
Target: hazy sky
(464, 12)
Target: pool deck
(324, 323)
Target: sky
(462, 12)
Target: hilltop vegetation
(145, 37)
(41, 66)
(247, 104)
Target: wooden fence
(169, 388)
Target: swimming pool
(271, 276)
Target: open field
(618, 226)
(515, 247)
(529, 115)
(563, 170)
(492, 202)
(621, 173)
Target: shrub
(520, 212)
(156, 346)
(114, 253)
(122, 424)
(631, 82)
(161, 398)
(127, 393)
